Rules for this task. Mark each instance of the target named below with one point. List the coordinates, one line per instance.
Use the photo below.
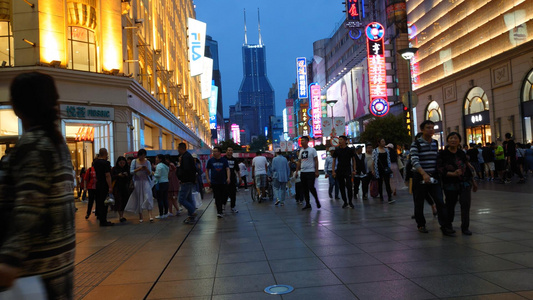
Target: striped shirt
(425, 157)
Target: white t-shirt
(242, 169)
(259, 162)
(307, 159)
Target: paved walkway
(371, 252)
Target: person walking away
(37, 229)
(308, 165)
(218, 176)
(90, 187)
(472, 155)
(161, 185)
(173, 187)
(328, 167)
(424, 151)
(82, 191)
(120, 176)
(244, 174)
(457, 179)
(186, 171)
(259, 173)
(343, 169)
(481, 162)
(199, 173)
(488, 157)
(396, 177)
(234, 174)
(510, 154)
(141, 198)
(280, 177)
(102, 168)
(362, 173)
(382, 169)
(369, 162)
(499, 161)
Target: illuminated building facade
(473, 72)
(121, 69)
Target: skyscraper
(256, 96)
(211, 50)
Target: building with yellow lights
(121, 69)
(473, 72)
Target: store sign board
(86, 112)
(316, 103)
(477, 119)
(196, 45)
(206, 77)
(301, 77)
(213, 107)
(377, 79)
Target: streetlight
(408, 54)
(331, 103)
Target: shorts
(489, 166)
(260, 180)
(500, 164)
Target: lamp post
(408, 54)
(331, 103)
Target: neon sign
(377, 79)
(213, 107)
(316, 103)
(301, 76)
(236, 133)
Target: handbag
(374, 188)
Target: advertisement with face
(361, 91)
(342, 91)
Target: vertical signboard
(206, 77)
(196, 45)
(213, 107)
(236, 133)
(301, 77)
(353, 10)
(377, 79)
(316, 104)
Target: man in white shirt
(259, 173)
(244, 174)
(308, 167)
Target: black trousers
(384, 178)
(345, 183)
(101, 208)
(92, 197)
(463, 195)
(364, 181)
(308, 186)
(231, 191)
(219, 192)
(298, 191)
(162, 198)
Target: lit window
(6, 44)
(476, 101)
(527, 94)
(82, 46)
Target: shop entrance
(6, 143)
(479, 134)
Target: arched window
(476, 101)
(433, 112)
(527, 91)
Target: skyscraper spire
(259, 27)
(245, 36)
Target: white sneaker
(234, 210)
(170, 215)
(161, 217)
(220, 216)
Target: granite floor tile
(273, 254)
(245, 268)
(182, 288)
(119, 292)
(390, 290)
(181, 271)
(501, 247)
(310, 278)
(247, 296)
(324, 292)
(336, 250)
(524, 258)
(362, 274)
(425, 268)
(484, 263)
(458, 285)
(296, 264)
(242, 284)
(351, 260)
(513, 280)
(227, 258)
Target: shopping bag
(197, 199)
(374, 188)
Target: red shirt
(90, 178)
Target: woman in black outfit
(456, 173)
(382, 169)
(120, 174)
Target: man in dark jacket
(187, 176)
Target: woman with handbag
(141, 198)
(457, 180)
(382, 169)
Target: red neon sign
(377, 78)
(352, 10)
(316, 103)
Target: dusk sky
(288, 30)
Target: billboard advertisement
(316, 104)
(379, 105)
(342, 92)
(206, 77)
(213, 107)
(196, 45)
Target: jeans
(185, 197)
(421, 191)
(464, 196)
(162, 198)
(333, 183)
(308, 185)
(345, 183)
(219, 192)
(279, 190)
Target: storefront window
(433, 112)
(476, 117)
(6, 44)
(527, 107)
(9, 122)
(476, 101)
(82, 46)
(136, 133)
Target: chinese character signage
(301, 77)
(236, 133)
(353, 10)
(213, 107)
(316, 115)
(196, 45)
(377, 78)
(87, 112)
